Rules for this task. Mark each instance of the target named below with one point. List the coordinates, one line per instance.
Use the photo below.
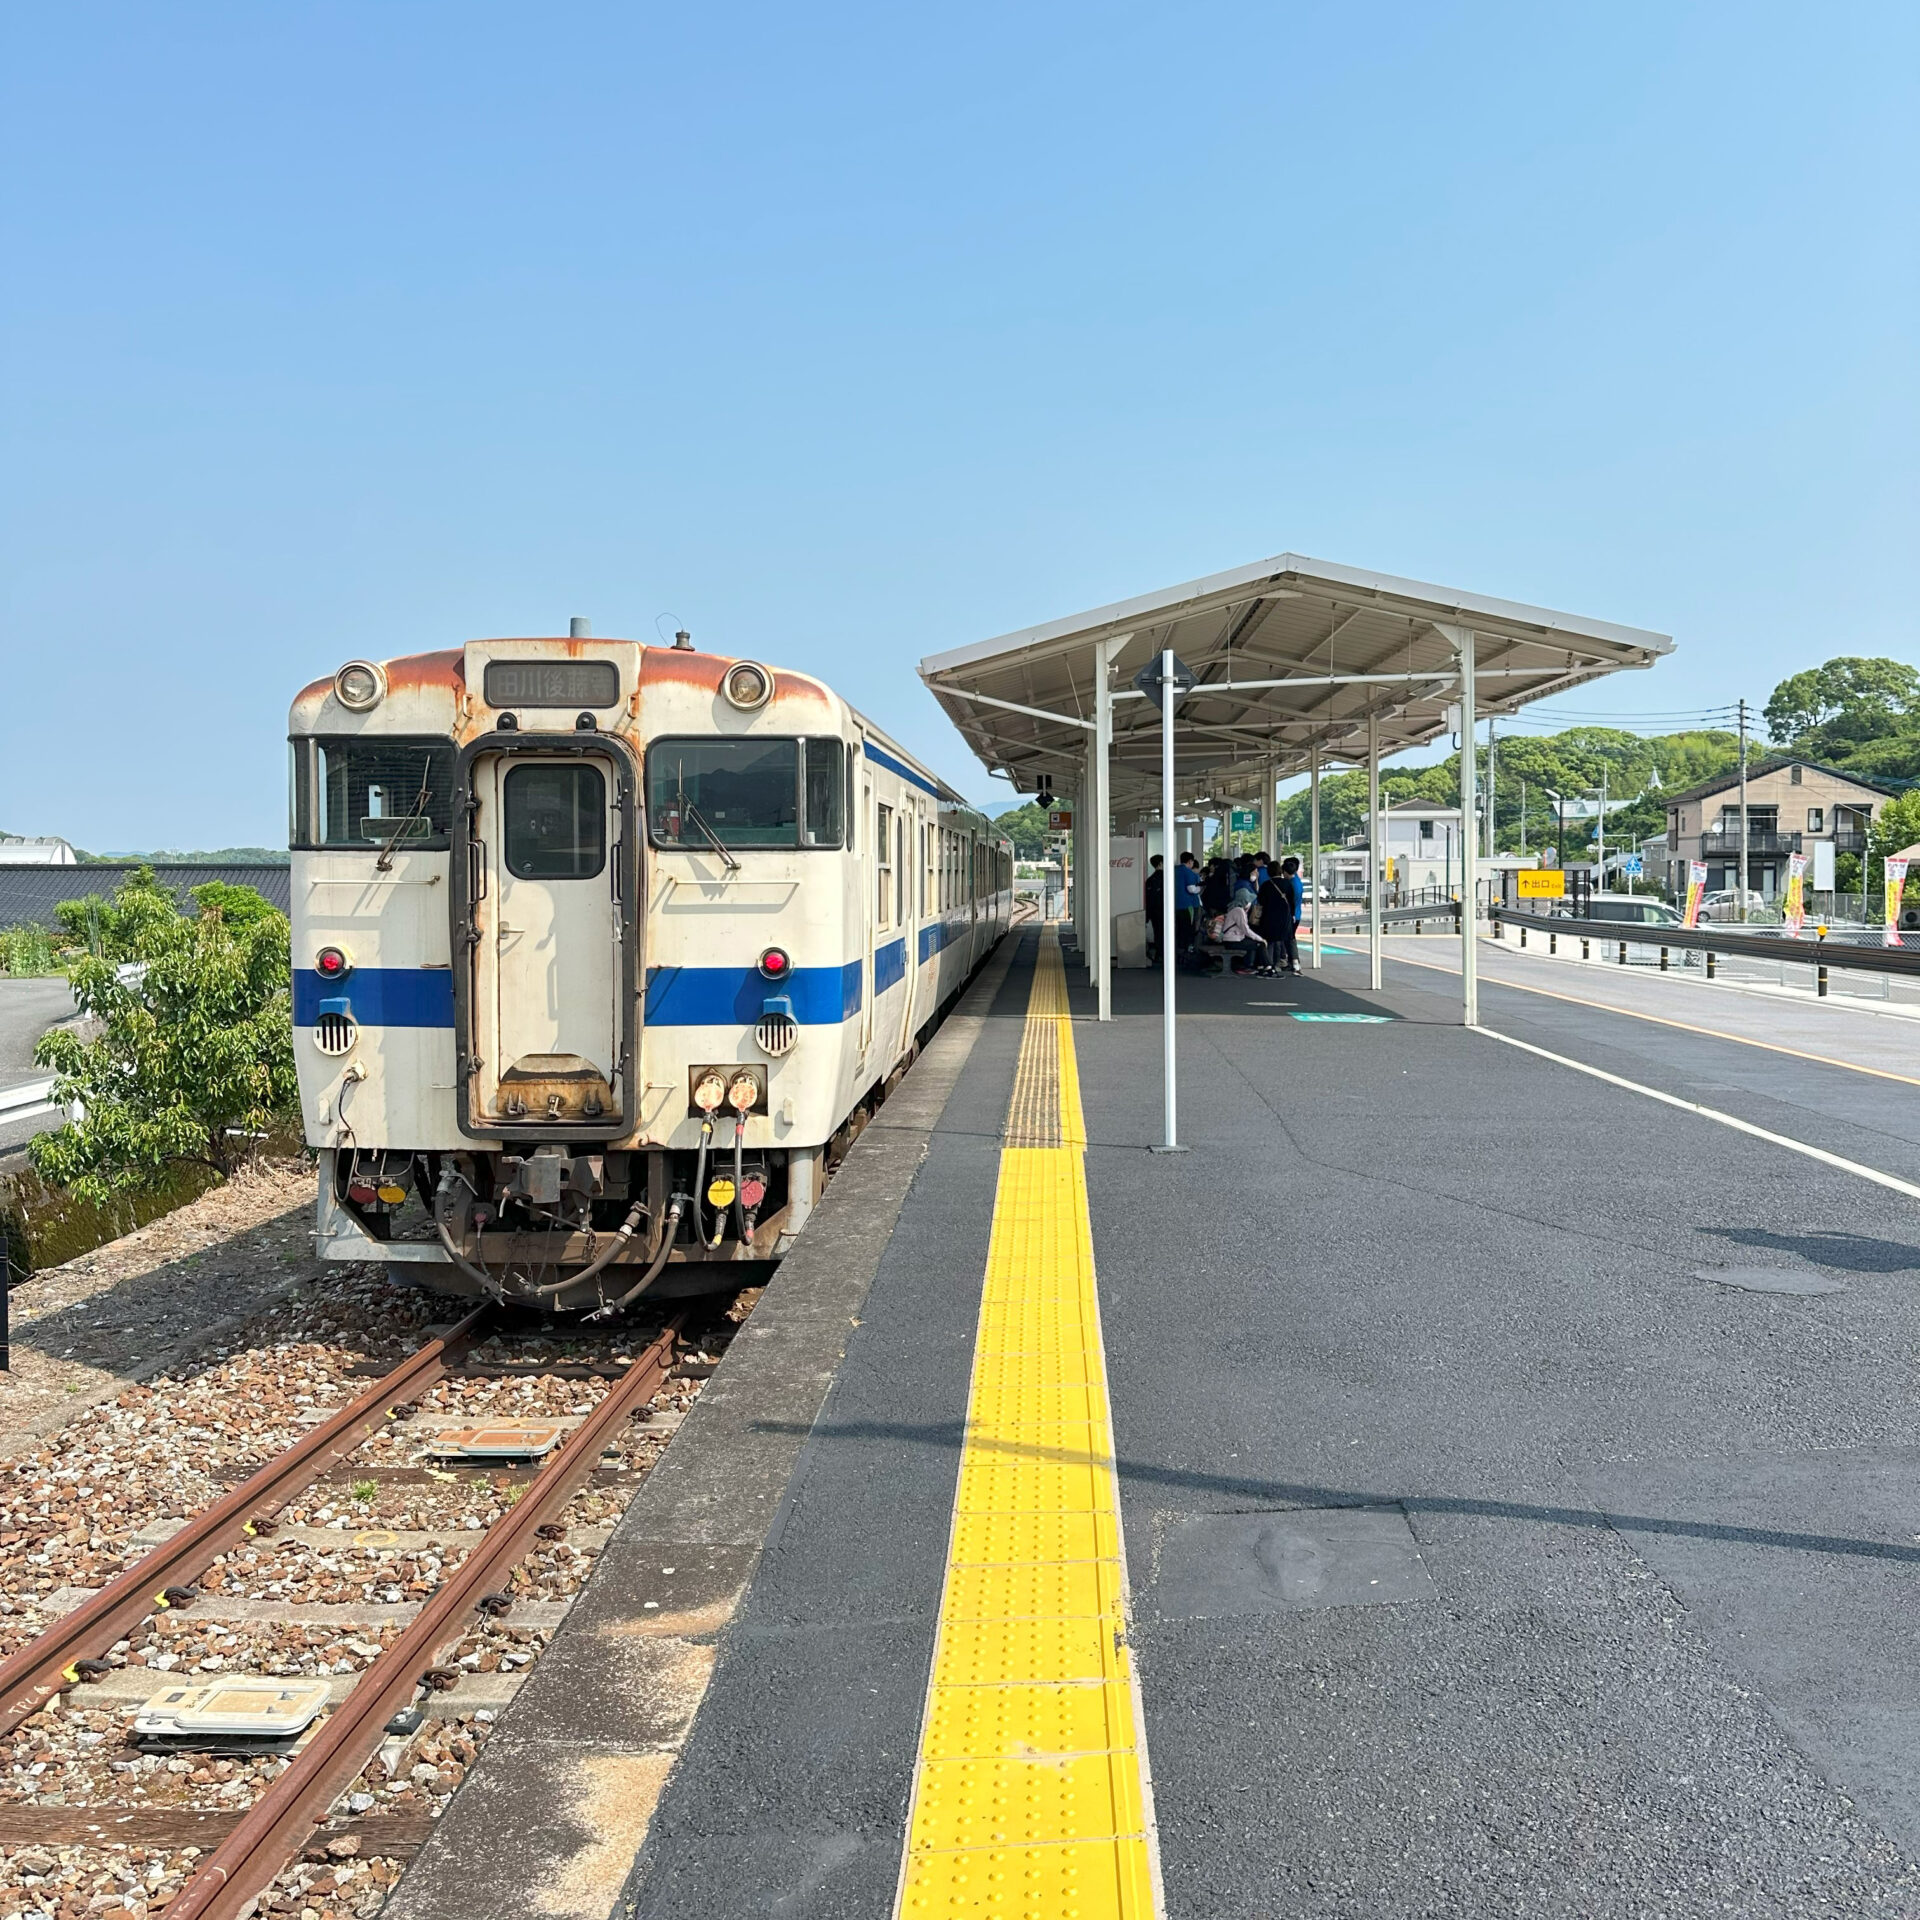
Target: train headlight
(775, 963)
(748, 685)
(743, 1093)
(360, 686)
(709, 1090)
(332, 963)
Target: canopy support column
(1469, 845)
(1312, 892)
(1374, 838)
(1100, 842)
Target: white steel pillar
(1313, 845)
(1469, 846)
(1374, 837)
(1099, 845)
(1169, 1057)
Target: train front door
(551, 868)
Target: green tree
(1026, 827)
(1895, 826)
(190, 1062)
(1831, 712)
(117, 926)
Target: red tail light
(775, 964)
(331, 963)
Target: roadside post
(1163, 680)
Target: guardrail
(1443, 912)
(1802, 950)
(28, 1101)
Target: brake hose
(497, 1288)
(700, 1179)
(667, 1236)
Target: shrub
(192, 1063)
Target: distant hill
(216, 857)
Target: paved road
(27, 1009)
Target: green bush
(27, 953)
(192, 1064)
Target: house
(1793, 806)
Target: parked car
(1725, 904)
(1633, 907)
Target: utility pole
(1742, 895)
(1602, 836)
(1523, 816)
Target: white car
(1725, 905)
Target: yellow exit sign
(1542, 883)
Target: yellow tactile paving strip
(1030, 1797)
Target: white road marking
(1874, 1174)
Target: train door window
(883, 863)
(822, 793)
(556, 822)
(902, 885)
(927, 881)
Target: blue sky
(845, 335)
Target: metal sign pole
(1169, 1064)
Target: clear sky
(844, 335)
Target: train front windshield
(373, 790)
(746, 793)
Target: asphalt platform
(1492, 1551)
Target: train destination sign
(552, 683)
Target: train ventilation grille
(776, 1034)
(334, 1034)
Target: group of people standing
(1249, 906)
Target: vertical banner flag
(1896, 886)
(1796, 900)
(1696, 891)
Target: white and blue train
(603, 953)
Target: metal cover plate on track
(258, 1709)
(501, 1440)
(1215, 1564)
(1798, 1280)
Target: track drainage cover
(500, 1440)
(1802, 1280)
(1215, 1564)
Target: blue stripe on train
(737, 996)
(889, 966)
(379, 996)
(941, 934)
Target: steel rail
(1800, 952)
(276, 1826)
(45, 1667)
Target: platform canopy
(1291, 654)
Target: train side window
(927, 894)
(883, 863)
(901, 889)
(556, 822)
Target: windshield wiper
(693, 813)
(385, 863)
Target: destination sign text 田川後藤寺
(552, 683)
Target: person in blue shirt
(1186, 900)
(1280, 902)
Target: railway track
(243, 1851)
